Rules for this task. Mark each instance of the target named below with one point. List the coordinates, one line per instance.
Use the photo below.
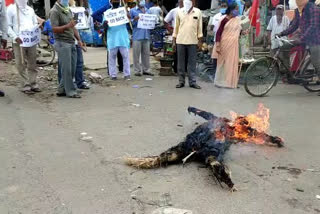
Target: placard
(147, 21)
(116, 17)
(82, 18)
(30, 38)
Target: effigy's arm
(205, 115)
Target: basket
(166, 62)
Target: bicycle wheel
(261, 76)
(45, 53)
(309, 72)
(154, 51)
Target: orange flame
(243, 124)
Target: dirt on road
(46, 168)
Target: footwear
(180, 85)
(127, 78)
(148, 73)
(61, 94)
(84, 87)
(75, 96)
(27, 90)
(114, 78)
(1, 93)
(138, 74)
(195, 86)
(37, 90)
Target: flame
(242, 125)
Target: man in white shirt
(21, 17)
(170, 18)
(156, 10)
(3, 28)
(169, 22)
(214, 21)
(278, 24)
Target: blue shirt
(149, 5)
(98, 15)
(138, 33)
(118, 36)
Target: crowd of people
(184, 23)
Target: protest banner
(147, 21)
(82, 18)
(30, 38)
(116, 17)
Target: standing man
(141, 43)
(170, 22)
(3, 28)
(118, 41)
(307, 22)
(277, 24)
(213, 25)
(186, 36)
(21, 17)
(64, 30)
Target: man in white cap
(21, 17)
(277, 24)
(187, 35)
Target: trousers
(67, 54)
(113, 58)
(141, 49)
(26, 69)
(187, 65)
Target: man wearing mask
(3, 28)
(170, 21)
(186, 36)
(64, 30)
(141, 43)
(118, 41)
(307, 22)
(21, 17)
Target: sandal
(37, 90)
(61, 94)
(75, 96)
(29, 92)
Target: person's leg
(31, 58)
(120, 61)
(112, 62)
(181, 64)
(126, 61)
(67, 55)
(21, 67)
(59, 71)
(136, 56)
(315, 57)
(145, 57)
(79, 68)
(175, 62)
(192, 65)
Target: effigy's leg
(171, 156)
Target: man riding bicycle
(307, 22)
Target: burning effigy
(209, 142)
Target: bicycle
(45, 50)
(262, 75)
(157, 40)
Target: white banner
(116, 17)
(30, 38)
(82, 18)
(147, 21)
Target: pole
(18, 19)
(126, 6)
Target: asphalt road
(45, 168)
